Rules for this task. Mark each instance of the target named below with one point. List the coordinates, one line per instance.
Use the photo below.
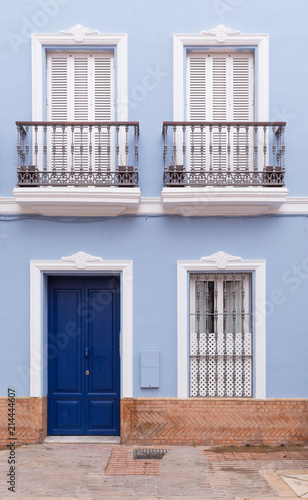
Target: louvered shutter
(198, 100)
(57, 109)
(80, 109)
(242, 109)
(219, 88)
(103, 111)
(80, 87)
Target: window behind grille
(220, 335)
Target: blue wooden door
(83, 356)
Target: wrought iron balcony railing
(224, 154)
(77, 154)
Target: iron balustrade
(224, 154)
(77, 154)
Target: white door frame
(77, 264)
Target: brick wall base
(171, 421)
(30, 420)
(214, 421)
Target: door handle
(86, 352)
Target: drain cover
(148, 454)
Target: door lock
(87, 372)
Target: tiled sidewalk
(121, 463)
(247, 455)
(99, 471)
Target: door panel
(67, 372)
(83, 361)
(103, 361)
(68, 414)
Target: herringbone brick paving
(121, 462)
(185, 472)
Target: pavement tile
(67, 471)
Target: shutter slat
(80, 88)
(219, 88)
(58, 76)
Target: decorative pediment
(79, 32)
(221, 33)
(221, 259)
(81, 259)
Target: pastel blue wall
(150, 25)
(155, 244)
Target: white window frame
(214, 263)
(104, 40)
(77, 264)
(231, 39)
(90, 200)
(248, 322)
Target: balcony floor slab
(82, 201)
(194, 201)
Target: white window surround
(226, 200)
(213, 263)
(109, 201)
(71, 38)
(77, 264)
(221, 36)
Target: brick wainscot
(164, 421)
(30, 420)
(214, 421)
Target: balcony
(228, 168)
(78, 167)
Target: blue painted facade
(156, 242)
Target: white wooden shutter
(198, 101)
(80, 87)
(242, 108)
(219, 88)
(80, 109)
(220, 104)
(103, 108)
(57, 109)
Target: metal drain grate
(148, 454)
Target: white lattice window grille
(221, 337)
